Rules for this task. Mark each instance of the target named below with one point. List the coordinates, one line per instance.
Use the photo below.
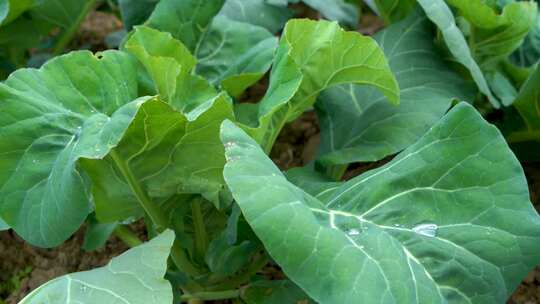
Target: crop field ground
(269, 151)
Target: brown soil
(94, 29)
(297, 144)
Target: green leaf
(358, 124)
(528, 52)
(226, 259)
(528, 104)
(186, 20)
(297, 78)
(3, 225)
(60, 13)
(162, 148)
(257, 12)
(97, 234)
(135, 12)
(316, 184)
(496, 36)
(22, 33)
(502, 87)
(337, 10)
(446, 221)
(441, 15)
(133, 277)
(274, 292)
(231, 50)
(75, 106)
(11, 9)
(168, 62)
(394, 10)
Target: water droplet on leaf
(229, 144)
(426, 229)
(353, 232)
(230, 159)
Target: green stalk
(472, 40)
(210, 296)
(336, 172)
(242, 278)
(153, 211)
(127, 236)
(68, 34)
(201, 237)
(269, 143)
(155, 214)
(522, 136)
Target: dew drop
(353, 232)
(83, 288)
(229, 145)
(34, 161)
(397, 225)
(426, 229)
(230, 158)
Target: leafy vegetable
(11, 9)
(440, 14)
(493, 37)
(135, 12)
(257, 12)
(21, 32)
(295, 82)
(174, 130)
(358, 124)
(50, 118)
(275, 292)
(233, 54)
(134, 277)
(394, 10)
(528, 53)
(97, 233)
(338, 10)
(402, 232)
(527, 103)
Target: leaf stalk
(68, 34)
(127, 236)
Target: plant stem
(153, 211)
(155, 214)
(522, 136)
(68, 34)
(201, 237)
(127, 236)
(472, 40)
(210, 296)
(336, 172)
(244, 277)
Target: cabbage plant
(156, 131)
